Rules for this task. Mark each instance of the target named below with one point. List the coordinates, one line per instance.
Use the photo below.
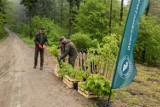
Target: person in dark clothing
(69, 49)
(61, 46)
(40, 39)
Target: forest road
(23, 86)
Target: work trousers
(72, 60)
(37, 50)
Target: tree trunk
(54, 11)
(121, 12)
(147, 9)
(62, 12)
(78, 4)
(110, 18)
(70, 19)
(30, 20)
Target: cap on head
(61, 38)
(42, 28)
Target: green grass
(2, 38)
(27, 40)
(144, 91)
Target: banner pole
(135, 17)
(109, 98)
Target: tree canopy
(89, 21)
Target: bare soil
(23, 86)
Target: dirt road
(23, 86)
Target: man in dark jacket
(61, 46)
(69, 49)
(40, 39)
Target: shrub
(79, 75)
(97, 84)
(104, 56)
(93, 17)
(54, 50)
(147, 49)
(81, 40)
(53, 31)
(2, 32)
(27, 40)
(65, 69)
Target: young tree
(44, 8)
(121, 12)
(73, 8)
(147, 48)
(110, 17)
(93, 17)
(3, 7)
(3, 16)
(70, 17)
(29, 4)
(62, 4)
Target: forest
(94, 26)
(79, 20)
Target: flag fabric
(125, 69)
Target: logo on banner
(125, 67)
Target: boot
(41, 68)
(34, 67)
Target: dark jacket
(69, 49)
(61, 46)
(37, 39)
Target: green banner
(125, 69)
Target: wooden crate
(56, 70)
(85, 93)
(70, 82)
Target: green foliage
(44, 7)
(104, 56)
(90, 19)
(21, 28)
(57, 10)
(2, 18)
(23, 31)
(2, 32)
(53, 31)
(93, 17)
(3, 4)
(65, 69)
(82, 41)
(54, 9)
(79, 74)
(3, 14)
(28, 3)
(155, 8)
(27, 40)
(97, 84)
(54, 50)
(147, 48)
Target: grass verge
(27, 40)
(4, 37)
(144, 90)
